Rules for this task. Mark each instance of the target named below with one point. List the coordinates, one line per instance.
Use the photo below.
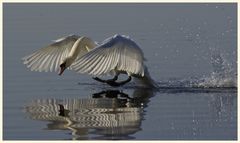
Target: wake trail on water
(222, 77)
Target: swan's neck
(81, 47)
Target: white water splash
(223, 74)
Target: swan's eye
(63, 65)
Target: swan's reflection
(109, 114)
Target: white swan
(116, 55)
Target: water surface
(191, 52)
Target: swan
(116, 55)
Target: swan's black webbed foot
(98, 79)
(125, 81)
(104, 81)
(112, 82)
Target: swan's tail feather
(146, 80)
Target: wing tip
(65, 37)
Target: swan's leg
(112, 82)
(105, 81)
(115, 77)
(125, 81)
(98, 79)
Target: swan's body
(115, 55)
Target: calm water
(191, 52)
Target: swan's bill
(62, 68)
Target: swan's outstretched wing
(48, 58)
(118, 52)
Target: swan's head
(65, 64)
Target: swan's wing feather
(118, 52)
(48, 58)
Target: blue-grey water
(191, 52)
